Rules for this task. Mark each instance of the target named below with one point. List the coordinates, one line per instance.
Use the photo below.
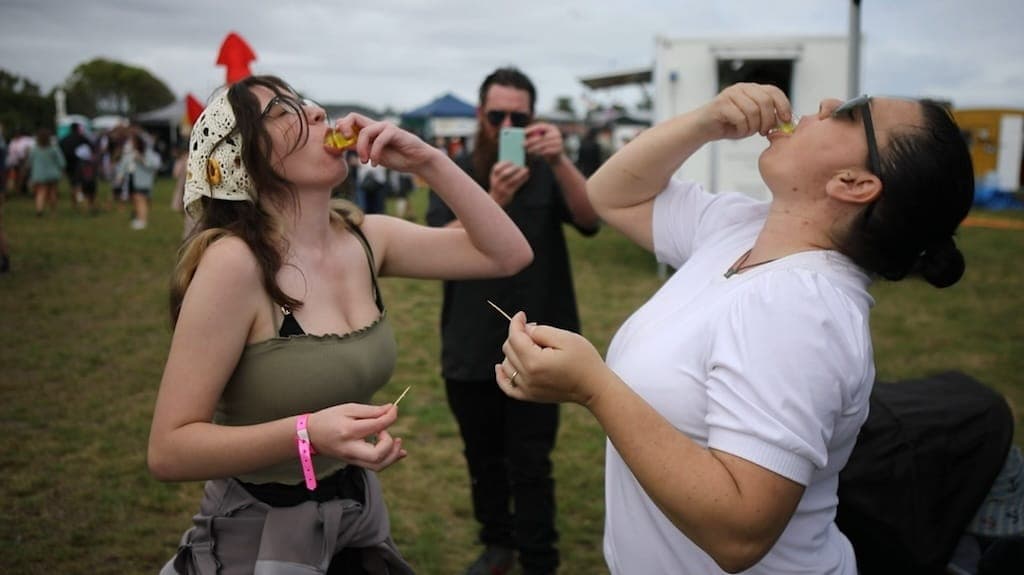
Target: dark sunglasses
(846, 110)
(497, 117)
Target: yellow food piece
(338, 140)
(787, 127)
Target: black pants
(508, 447)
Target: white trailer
(688, 72)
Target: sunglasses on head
(518, 119)
(846, 110)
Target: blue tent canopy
(446, 106)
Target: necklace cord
(742, 265)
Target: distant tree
(22, 107)
(105, 87)
(564, 104)
(17, 84)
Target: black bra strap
(370, 261)
(290, 325)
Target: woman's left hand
(386, 144)
(549, 365)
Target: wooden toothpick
(501, 311)
(403, 395)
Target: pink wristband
(305, 451)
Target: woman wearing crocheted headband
(281, 336)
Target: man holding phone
(523, 166)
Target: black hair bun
(942, 264)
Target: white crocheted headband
(215, 167)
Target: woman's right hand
(380, 142)
(357, 434)
(745, 109)
(550, 365)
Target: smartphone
(511, 148)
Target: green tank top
(285, 376)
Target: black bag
(924, 461)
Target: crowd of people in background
(116, 169)
(125, 158)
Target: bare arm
(216, 315)
(545, 140)
(215, 320)
(731, 508)
(623, 188)
(488, 245)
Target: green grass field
(84, 334)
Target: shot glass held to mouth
(790, 126)
(336, 141)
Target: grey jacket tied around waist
(236, 533)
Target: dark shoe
(493, 561)
(5, 264)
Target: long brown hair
(257, 226)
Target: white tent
(167, 118)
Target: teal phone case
(510, 146)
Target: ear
(854, 186)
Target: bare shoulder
(378, 228)
(229, 260)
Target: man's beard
(485, 155)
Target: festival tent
(445, 106)
(445, 116)
(165, 121)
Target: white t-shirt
(773, 365)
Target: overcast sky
(403, 53)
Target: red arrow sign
(235, 54)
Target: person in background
(281, 337)
(508, 442)
(590, 156)
(3, 160)
(86, 173)
(5, 257)
(178, 171)
(45, 166)
(69, 145)
(372, 189)
(17, 162)
(5, 253)
(346, 189)
(751, 368)
(402, 186)
(136, 174)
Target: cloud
(402, 53)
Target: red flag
(193, 108)
(235, 54)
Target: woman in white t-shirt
(733, 397)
